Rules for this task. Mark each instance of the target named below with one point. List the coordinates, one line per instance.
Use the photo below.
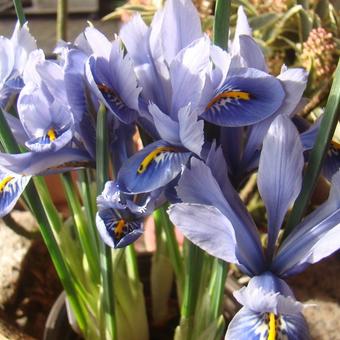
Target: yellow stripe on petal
(238, 95)
(51, 134)
(119, 228)
(272, 327)
(153, 156)
(4, 182)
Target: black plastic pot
(57, 325)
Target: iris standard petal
(247, 97)
(187, 74)
(294, 83)
(151, 168)
(135, 34)
(180, 26)
(249, 54)
(115, 231)
(191, 129)
(74, 79)
(98, 43)
(23, 43)
(249, 325)
(11, 188)
(115, 83)
(110, 197)
(167, 128)
(314, 238)
(6, 59)
(280, 173)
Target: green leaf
(263, 20)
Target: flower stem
(19, 11)
(107, 299)
(62, 20)
(318, 153)
(86, 234)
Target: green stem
(195, 258)
(162, 219)
(19, 11)
(46, 200)
(86, 237)
(107, 298)
(62, 20)
(221, 23)
(131, 263)
(318, 153)
(85, 186)
(217, 284)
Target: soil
(29, 286)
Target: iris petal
(115, 231)
(247, 97)
(248, 325)
(151, 168)
(11, 188)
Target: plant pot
(58, 326)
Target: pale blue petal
(197, 185)
(167, 128)
(152, 168)
(280, 173)
(270, 294)
(36, 163)
(135, 34)
(16, 128)
(6, 58)
(52, 76)
(187, 73)
(11, 188)
(191, 130)
(250, 54)
(181, 25)
(23, 43)
(314, 238)
(206, 227)
(99, 44)
(294, 83)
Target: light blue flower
(120, 217)
(213, 217)
(14, 54)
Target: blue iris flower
(215, 219)
(228, 89)
(120, 217)
(14, 54)
(46, 127)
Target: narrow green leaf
(19, 11)
(221, 23)
(108, 297)
(318, 153)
